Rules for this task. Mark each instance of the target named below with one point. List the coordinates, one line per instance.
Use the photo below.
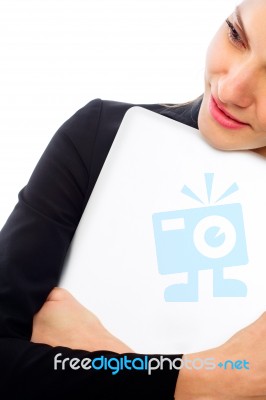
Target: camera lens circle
(214, 236)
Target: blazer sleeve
(33, 245)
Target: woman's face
(233, 111)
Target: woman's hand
(63, 321)
(229, 384)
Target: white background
(57, 55)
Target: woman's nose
(238, 85)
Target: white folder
(170, 250)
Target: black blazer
(33, 245)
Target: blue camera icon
(190, 240)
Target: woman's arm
(33, 245)
(28, 372)
(36, 236)
(246, 347)
(35, 239)
(62, 320)
(52, 364)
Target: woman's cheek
(261, 115)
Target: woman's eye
(234, 35)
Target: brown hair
(181, 104)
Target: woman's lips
(222, 117)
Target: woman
(37, 235)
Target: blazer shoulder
(99, 117)
(109, 113)
(98, 108)
(116, 109)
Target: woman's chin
(219, 143)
